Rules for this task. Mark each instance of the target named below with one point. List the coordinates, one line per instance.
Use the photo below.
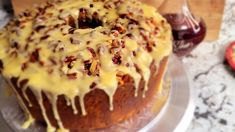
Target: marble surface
(214, 84)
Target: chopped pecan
(26, 14)
(88, 42)
(41, 63)
(122, 43)
(123, 78)
(119, 28)
(71, 30)
(119, 78)
(129, 35)
(93, 85)
(87, 66)
(150, 45)
(15, 45)
(24, 66)
(44, 37)
(149, 48)
(69, 59)
(93, 68)
(156, 31)
(71, 22)
(34, 56)
(72, 76)
(118, 44)
(70, 65)
(92, 51)
(115, 33)
(134, 53)
(61, 10)
(38, 28)
(142, 33)
(17, 23)
(115, 43)
(56, 26)
(117, 59)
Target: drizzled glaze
(62, 48)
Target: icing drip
(28, 122)
(81, 98)
(71, 45)
(29, 118)
(53, 100)
(75, 110)
(144, 60)
(25, 96)
(68, 102)
(109, 84)
(38, 95)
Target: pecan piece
(34, 56)
(92, 51)
(117, 59)
(93, 67)
(72, 76)
(24, 66)
(87, 66)
(93, 85)
(69, 59)
(71, 22)
(38, 28)
(44, 37)
(119, 28)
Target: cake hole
(85, 20)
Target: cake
(78, 65)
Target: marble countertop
(214, 84)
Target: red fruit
(230, 55)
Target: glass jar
(188, 30)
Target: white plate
(175, 115)
(178, 114)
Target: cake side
(71, 49)
(96, 103)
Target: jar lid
(230, 55)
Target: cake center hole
(85, 20)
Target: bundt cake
(80, 65)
